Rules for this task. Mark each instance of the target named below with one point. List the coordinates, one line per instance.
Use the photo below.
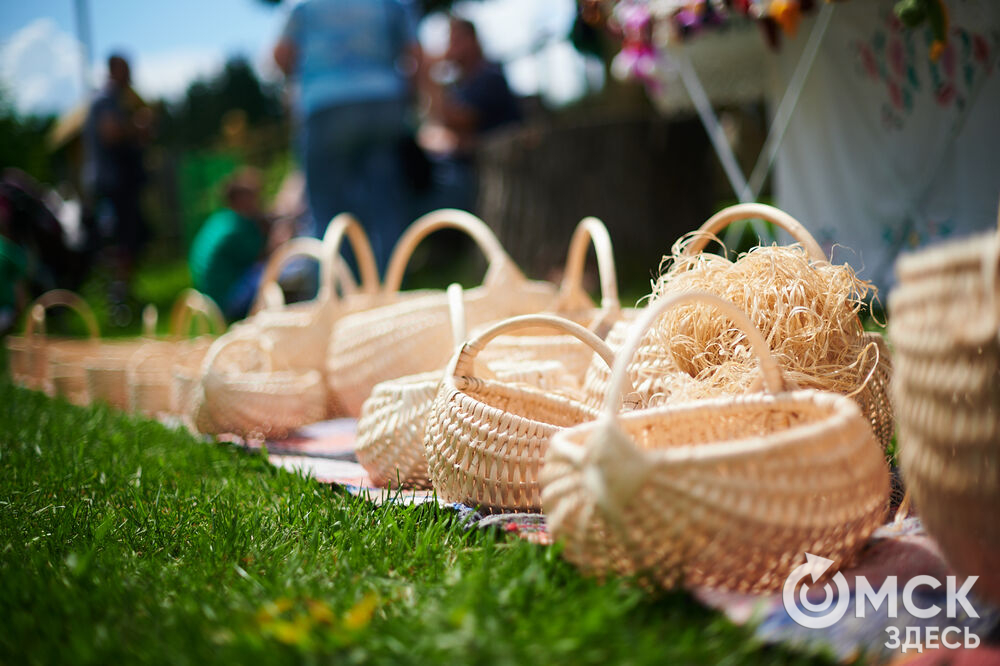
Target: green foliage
(23, 140)
(122, 540)
(196, 120)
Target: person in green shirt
(13, 263)
(227, 254)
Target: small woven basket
(105, 372)
(486, 439)
(51, 364)
(654, 375)
(300, 332)
(945, 328)
(544, 346)
(241, 393)
(149, 371)
(391, 428)
(728, 492)
(409, 332)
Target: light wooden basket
(240, 391)
(105, 372)
(409, 333)
(391, 428)
(486, 439)
(945, 327)
(727, 492)
(149, 371)
(652, 372)
(54, 364)
(300, 332)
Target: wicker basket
(300, 332)
(240, 392)
(728, 492)
(54, 365)
(652, 373)
(945, 328)
(106, 373)
(409, 333)
(486, 439)
(149, 372)
(539, 346)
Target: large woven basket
(945, 327)
(728, 492)
(241, 392)
(652, 372)
(485, 438)
(54, 364)
(409, 333)
(544, 346)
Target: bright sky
(172, 43)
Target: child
(228, 252)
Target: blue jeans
(351, 155)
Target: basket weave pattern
(945, 328)
(486, 439)
(410, 332)
(727, 492)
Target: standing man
(117, 130)
(461, 114)
(352, 61)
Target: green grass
(124, 541)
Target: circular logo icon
(823, 614)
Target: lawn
(122, 540)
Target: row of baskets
(736, 421)
(148, 375)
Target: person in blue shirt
(351, 62)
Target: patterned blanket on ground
(325, 451)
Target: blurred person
(13, 266)
(350, 61)
(117, 129)
(30, 222)
(463, 112)
(228, 252)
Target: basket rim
(449, 388)
(573, 441)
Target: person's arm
(284, 56)
(285, 52)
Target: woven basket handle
(463, 363)
(593, 230)
(261, 344)
(150, 318)
(749, 211)
(269, 295)
(333, 267)
(60, 298)
(447, 218)
(456, 310)
(194, 305)
(773, 380)
(140, 356)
